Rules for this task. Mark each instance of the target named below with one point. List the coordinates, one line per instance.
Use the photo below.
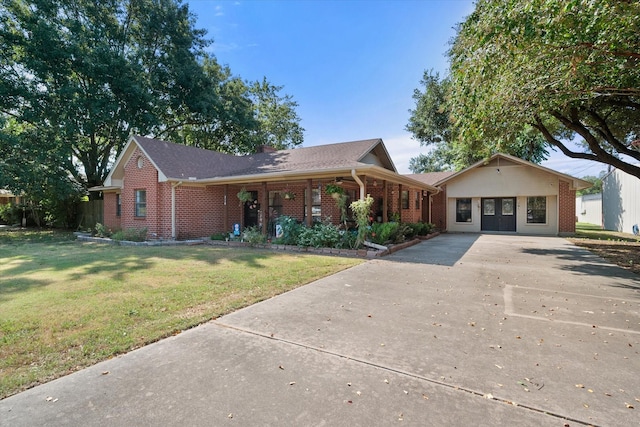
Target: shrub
(10, 213)
(253, 235)
(101, 230)
(219, 236)
(349, 239)
(290, 230)
(361, 210)
(384, 233)
(421, 228)
(321, 235)
(131, 234)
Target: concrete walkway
(459, 330)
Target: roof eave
(578, 183)
(372, 171)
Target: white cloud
(402, 148)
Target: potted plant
(244, 195)
(334, 190)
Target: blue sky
(351, 65)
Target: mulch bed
(624, 254)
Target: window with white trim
(537, 210)
(141, 203)
(463, 210)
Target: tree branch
(599, 154)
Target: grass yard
(65, 305)
(622, 249)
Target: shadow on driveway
(581, 261)
(446, 249)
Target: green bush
(219, 236)
(10, 213)
(384, 233)
(349, 239)
(101, 230)
(131, 235)
(420, 228)
(389, 233)
(361, 210)
(320, 236)
(290, 230)
(253, 235)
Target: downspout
(360, 183)
(173, 209)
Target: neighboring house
(589, 208)
(7, 196)
(620, 201)
(505, 194)
(181, 192)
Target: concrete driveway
(462, 329)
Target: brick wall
(111, 220)
(140, 178)
(566, 208)
(200, 211)
(439, 209)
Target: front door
(499, 214)
(251, 210)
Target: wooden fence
(91, 213)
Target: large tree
(83, 74)
(567, 69)
(77, 77)
(431, 124)
(279, 124)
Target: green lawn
(595, 232)
(65, 305)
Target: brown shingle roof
(430, 178)
(180, 161)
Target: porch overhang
(368, 171)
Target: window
(404, 199)
(141, 203)
(507, 207)
(537, 210)
(316, 207)
(489, 207)
(417, 200)
(463, 210)
(118, 205)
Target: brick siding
(439, 209)
(567, 208)
(201, 210)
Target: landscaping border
(359, 253)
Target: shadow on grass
(115, 262)
(12, 286)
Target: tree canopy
(77, 77)
(564, 69)
(431, 124)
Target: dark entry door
(251, 209)
(499, 214)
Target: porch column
(225, 210)
(309, 203)
(385, 198)
(264, 204)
